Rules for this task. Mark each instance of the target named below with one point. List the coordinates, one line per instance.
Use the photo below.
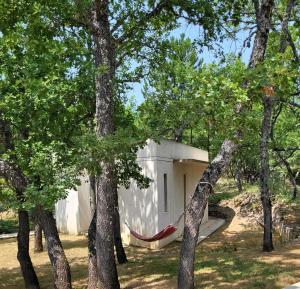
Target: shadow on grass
(222, 261)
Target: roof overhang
(190, 161)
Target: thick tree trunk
(198, 202)
(263, 21)
(59, 262)
(30, 278)
(106, 265)
(121, 255)
(265, 174)
(93, 274)
(104, 82)
(195, 211)
(38, 238)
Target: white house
(174, 169)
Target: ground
(230, 258)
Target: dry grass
(231, 258)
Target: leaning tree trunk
(265, 174)
(121, 255)
(104, 82)
(92, 265)
(198, 201)
(195, 212)
(29, 275)
(59, 262)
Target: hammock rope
(167, 230)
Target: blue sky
(193, 32)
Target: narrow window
(165, 193)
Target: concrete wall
(178, 197)
(157, 160)
(73, 214)
(143, 209)
(138, 207)
(67, 214)
(171, 150)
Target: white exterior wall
(157, 160)
(67, 213)
(143, 209)
(73, 214)
(138, 207)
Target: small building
(174, 169)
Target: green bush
(8, 226)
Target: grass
(226, 189)
(229, 259)
(225, 260)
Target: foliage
(183, 94)
(8, 226)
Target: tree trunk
(195, 212)
(104, 82)
(198, 201)
(121, 255)
(106, 265)
(291, 176)
(59, 262)
(29, 275)
(93, 274)
(12, 174)
(283, 45)
(265, 174)
(38, 238)
(238, 177)
(93, 193)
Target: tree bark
(12, 174)
(265, 174)
(93, 274)
(92, 258)
(292, 179)
(263, 21)
(238, 177)
(92, 193)
(121, 255)
(291, 176)
(59, 262)
(195, 212)
(29, 275)
(198, 201)
(283, 45)
(38, 238)
(104, 81)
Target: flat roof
(189, 161)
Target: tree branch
(13, 175)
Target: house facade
(174, 169)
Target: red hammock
(164, 233)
